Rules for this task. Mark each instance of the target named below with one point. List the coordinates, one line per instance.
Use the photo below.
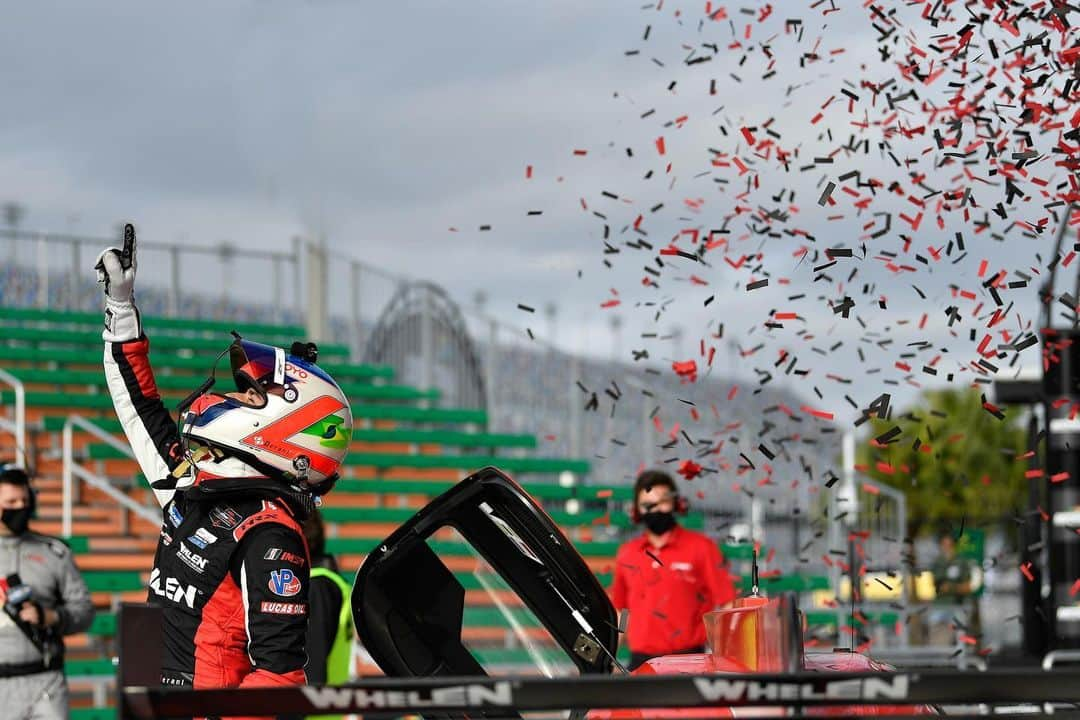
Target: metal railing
(17, 427)
(70, 284)
(73, 469)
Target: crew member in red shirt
(668, 576)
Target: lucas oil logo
(284, 583)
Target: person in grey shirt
(42, 598)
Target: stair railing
(18, 426)
(73, 469)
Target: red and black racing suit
(231, 573)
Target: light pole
(13, 215)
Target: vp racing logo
(284, 583)
(173, 589)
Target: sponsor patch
(284, 583)
(192, 559)
(173, 589)
(283, 608)
(166, 538)
(682, 566)
(175, 517)
(225, 517)
(197, 542)
(206, 536)
(279, 554)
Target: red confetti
(689, 469)
(686, 370)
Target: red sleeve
(718, 582)
(265, 678)
(618, 585)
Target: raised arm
(149, 427)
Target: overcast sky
(380, 126)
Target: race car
(408, 607)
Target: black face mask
(658, 523)
(16, 520)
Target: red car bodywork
(752, 636)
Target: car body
(408, 606)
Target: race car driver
(235, 480)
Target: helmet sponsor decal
(330, 432)
(284, 583)
(274, 438)
(283, 608)
(279, 366)
(225, 517)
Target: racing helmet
(296, 428)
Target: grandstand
(407, 447)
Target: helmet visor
(256, 366)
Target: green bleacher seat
(785, 583)
(468, 462)
(89, 668)
(185, 383)
(92, 713)
(55, 423)
(448, 548)
(410, 413)
(823, 618)
(104, 624)
(431, 488)
(398, 515)
(168, 363)
(444, 437)
(78, 543)
(68, 401)
(115, 581)
(281, 333)
(742, 551)
(161, 341)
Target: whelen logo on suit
(173, 589)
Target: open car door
(408, 606)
